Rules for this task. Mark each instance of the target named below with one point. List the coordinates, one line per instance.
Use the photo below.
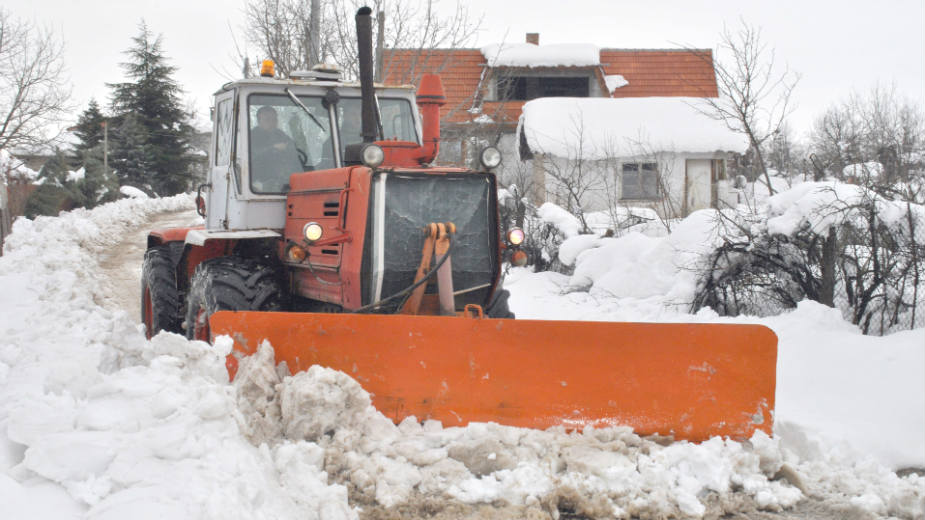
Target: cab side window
(224, 123)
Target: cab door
(222, 176)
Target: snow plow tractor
(330, 233)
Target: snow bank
(97, 422)
(623, 127)
(529, 55)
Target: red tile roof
(650, 73)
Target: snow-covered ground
(97, 422)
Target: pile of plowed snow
(97, 422)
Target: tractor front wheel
(229, 284)
(498, 308)
(160, 302)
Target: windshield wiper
(305, 108)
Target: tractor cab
(265, 129)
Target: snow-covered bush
(839, 244)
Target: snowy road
(122, 265)
(96, 422)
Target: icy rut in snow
(97, 422)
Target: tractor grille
(402, 206)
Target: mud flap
(689, 381)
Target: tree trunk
(829, 253)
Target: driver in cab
(273, 154)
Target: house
(500, 95)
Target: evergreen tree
(98, 185)
(151, 129)
(89, 129)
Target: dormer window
(527, 87)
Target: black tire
(229, 283)
(498, 308)
(160, 301)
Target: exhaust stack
(365, 57)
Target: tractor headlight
(312, 231)
(372, 155)
(490, 157)
(516, 236)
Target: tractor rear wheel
(498, 308)
(160, 301)
(229, 283)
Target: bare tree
(879, 126)
(33, 91)
(754, 98)
(281, 31)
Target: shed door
(698, 184)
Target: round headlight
(312, 231)
(490, 157)
(516, 236)
(372, 155)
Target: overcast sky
(836, 45)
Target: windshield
(397, 121)
(285, 139)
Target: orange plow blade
(689, 381)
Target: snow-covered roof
(14, 168)
(529, 55)
(606, 128)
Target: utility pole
(105, 125)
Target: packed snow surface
(529, 55)
(98, 422)
(604, 128)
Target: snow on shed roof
(623, 127)
(529, 55)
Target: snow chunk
(132, 192)
(615, 81)
(622, 127)
(76, 175)
(529, 55)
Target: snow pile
(529, 55)
(657, 269)
(325, 415)
(566, 223)
(14, 168)
(870, 170)
(820, 205)
(615, 81)
(95, 421)
(623, 127)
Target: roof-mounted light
(268, 69)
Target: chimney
(533, 38)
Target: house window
(640, 181)
(524, 88)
